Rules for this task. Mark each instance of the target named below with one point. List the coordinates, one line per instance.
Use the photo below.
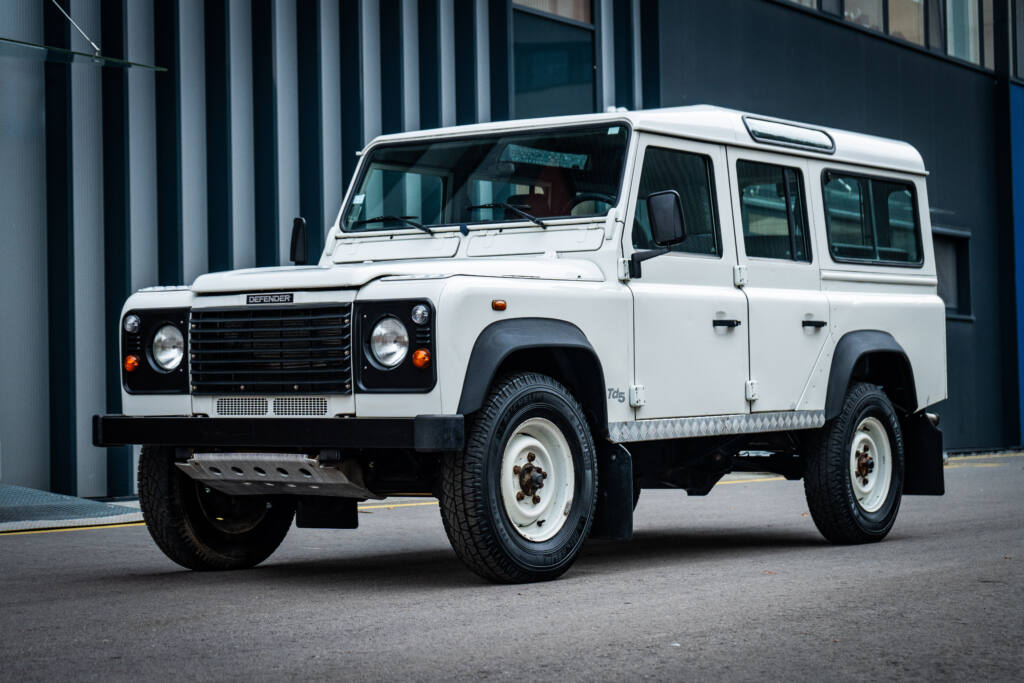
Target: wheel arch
(552, 347)
(872, 356)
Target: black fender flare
(501, 339)
(854, 346)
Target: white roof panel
(713, 124)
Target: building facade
(115, 175)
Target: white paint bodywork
(652, 332)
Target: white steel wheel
(537, 479)
(870, 464)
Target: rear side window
(773, 211)
(871, 219)
(688, 174)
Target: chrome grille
(264, 350)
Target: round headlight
(168, 347)
(389, 342)
(420, 314)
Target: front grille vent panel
(257, 350)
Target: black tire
(481, 532)
(828, 482)
(182, 517)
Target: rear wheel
(518, 502)
(201, 528)
(854, 477)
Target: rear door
(789, 314)
(689, 318)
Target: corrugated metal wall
(257, 120)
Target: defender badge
(269, 298)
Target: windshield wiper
(403, 219)
(514, 209)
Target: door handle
(817, 324)
(726, 323)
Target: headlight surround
(389, 342)
(168, 348)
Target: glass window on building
(988, 34)
(952, 265)
(578, 10)
(554, 60)
(962, 30)
(906, 20)
(1018, 36)
(813, 4)
(936, 26)
(866, 13)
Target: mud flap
(613, 517)
(922, 443)
(321, 512)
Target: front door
(789, 314)
(690, 321)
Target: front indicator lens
(389, 342)
(168, 347)
(131, 363)
(421, 358)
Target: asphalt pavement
(734, 586)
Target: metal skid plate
(270, 473)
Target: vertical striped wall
(113, 179)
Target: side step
(276, 473)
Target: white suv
(534, 320)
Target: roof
(713, 124)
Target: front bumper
(423, 433)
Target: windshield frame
(364, 167)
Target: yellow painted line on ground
(70, 528)
(973, 464)
(752, 481)
(395, 505)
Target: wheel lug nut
(536, 499)
(531, 457)
(516, 469)
(520, 495)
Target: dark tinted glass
(554, 67)
(773, 211)
(946, 268)
(690, 175)
(871, 219)
(549, 174)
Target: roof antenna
(95, 47)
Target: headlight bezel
(399, 337)
(372, 376)
(149, 377)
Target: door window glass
(773, 211)
(870, 219)
(688, 174)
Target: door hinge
(739, 275)
(636, 395)
(624, 269)
(750, 390)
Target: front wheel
(518, 502)
(201, 528)
(854, 477)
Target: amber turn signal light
(421, 358)
(499, 304)
(131, 362)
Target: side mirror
(665, 211)
(298, 250)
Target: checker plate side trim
(714, 425)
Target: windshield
(549, 174)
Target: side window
(870, 219)
(773, 211)
(688, 174)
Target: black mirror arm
(639, 257)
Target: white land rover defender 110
(533, 321)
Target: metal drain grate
(300, 405)
(248, 405)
